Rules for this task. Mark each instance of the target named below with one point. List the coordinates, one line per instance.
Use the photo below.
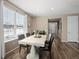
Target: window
(19, 24)
(8, 23)
(13, 23)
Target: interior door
(72, 31)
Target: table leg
(33, 54)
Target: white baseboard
(69, 41)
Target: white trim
(2, 48)
(10, 40)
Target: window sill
(10, 40)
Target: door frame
(55, 20)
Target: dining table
(34, 41)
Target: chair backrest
(27, 34)
(42, 32)
(51, 41)
(21, 36)
(32, 33)
(49, 36)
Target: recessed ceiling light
(52, 8)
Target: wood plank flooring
(66, 51)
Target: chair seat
(43, 49)
(46, 48)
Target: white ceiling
(43, 7)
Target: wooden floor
(66, 51)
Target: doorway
(54, 26)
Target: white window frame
(16, 36)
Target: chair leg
(27, 49)
(50, 54)
(20, 49)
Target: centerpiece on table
(37, 34)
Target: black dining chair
(28, 46)
(20, 37)
(42, 32)
(27, 34)
(32, 33)
(48, 46)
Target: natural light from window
(13, 23)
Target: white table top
(34, 41)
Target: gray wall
(41, 23)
